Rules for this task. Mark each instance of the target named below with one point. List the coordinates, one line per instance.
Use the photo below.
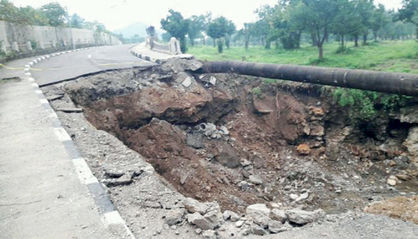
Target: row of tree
(290, 21)
(51, 14)
(219, 29)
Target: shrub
(365, 105)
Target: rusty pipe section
(386, 82)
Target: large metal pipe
(395, 83)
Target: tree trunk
(365, 39)
(396, 83)
(416, 32)
(214, 42)
(356, 40)
(375, 36)
(268, 44)
(247, 43)
(321, 51)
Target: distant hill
(132, 29)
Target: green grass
(394, 56)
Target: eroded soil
(215, 138)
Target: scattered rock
(278, 215)
(293, 196)
(199, 221)
(195, 140)
(303, 196)
(230, 215)
(209, 234)
(193, 206)
(302, 217)
(392, 180)
(303, 149)
(212, 80)
(259, 213)
(174, 216)
(258, 230)
(245, 162)
(276, 227)
(187, 82)
(255, 180)
(239, 223)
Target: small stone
(209, 234)
(293, 196)
(212, 80)
(230, 215)
(244, 162)
(177, 232)
(174, 216)
(223, 130)
(255, 180)
(259, 213)
(258, 230)
(392, 180)
(192, 206)
(187, 82)
(173, 227)
(198, 231)
(200, 221)
(276, 227)
(303, 196)
(302, 217)
(303, 149)
(278, 215)
(239, 223)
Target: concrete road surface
(87, 61)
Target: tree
(247, 32)
(177, 26)
(409, 13)
(56, 14)
(218, 29)
(318, 17)
(346, 22)
(76, 21)
(378, 20)
(196, 26)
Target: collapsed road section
(222, 155)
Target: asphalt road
(86, 61)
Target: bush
(364, 106)
(256, 91)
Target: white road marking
(30, 79)
(89, 56)
(84, 173)
(28, 73)
(61, 134)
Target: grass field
(395, 56)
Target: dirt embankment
(240, 140)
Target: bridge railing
(172, 48)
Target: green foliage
(33, 44)
(257, 91)
(365, 105)
(56, 14)
(76, 21)
(196, 25)
(177, 26)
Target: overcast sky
(119, 13)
